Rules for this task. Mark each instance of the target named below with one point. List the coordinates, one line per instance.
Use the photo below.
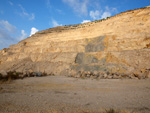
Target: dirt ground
(59, 94)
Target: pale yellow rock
(116, 44)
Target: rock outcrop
(117, 44)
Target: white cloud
(7, 34)
(25, 14)
(48, 4)
(115, 10)
(23, 10)
(23, 35)
(1, 12)
(95, 14)
(78, 6)
(60, 11)
(10, 3)
(7, 26)
(108, 12)
(32, 17)
(85, 21)
(55, 23)
(105, 15)
(33, 31)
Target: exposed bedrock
(120, 44)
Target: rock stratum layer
(118, 44)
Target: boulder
(147, 74)
(21, 76)
(3, 73)
(38, 74)
(105, 76)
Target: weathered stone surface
(119, 44)
(3, 73)
(95, 45)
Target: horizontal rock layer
(117, 44)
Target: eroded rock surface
(119, 44)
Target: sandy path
(64, 94)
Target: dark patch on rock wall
(95, 44)
(88, 62)
(108, 67)
(83, 58)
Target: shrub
(111, 111)
(13, 75)
(108, 17)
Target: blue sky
(21, 18)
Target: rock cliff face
(118, 44)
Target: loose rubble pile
(108, 75)
(13, 75)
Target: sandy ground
(54, 94)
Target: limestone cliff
(118, 44)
